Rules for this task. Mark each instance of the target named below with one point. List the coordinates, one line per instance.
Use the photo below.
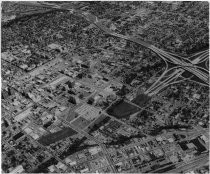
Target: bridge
(178, 68)
(194, 68)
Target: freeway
(198, 57)
(187, 65)
(159, 85)
(177, 74)
(184, 63)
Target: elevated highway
(195, 66)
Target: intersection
(178, 69)
(196, 65)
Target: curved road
(186, 63)
(173, 58)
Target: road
(106, 153)
(159, 85)
(199, 161)
(167, 57)
(182, 64)
(188, 64)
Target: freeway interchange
(194, 67)
(178, 68)
(180, 64)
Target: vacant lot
(57, 136)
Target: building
(18, 169)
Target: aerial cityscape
(105, 87)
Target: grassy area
(57, 136)
(122, 109)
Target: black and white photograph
(105, 87)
